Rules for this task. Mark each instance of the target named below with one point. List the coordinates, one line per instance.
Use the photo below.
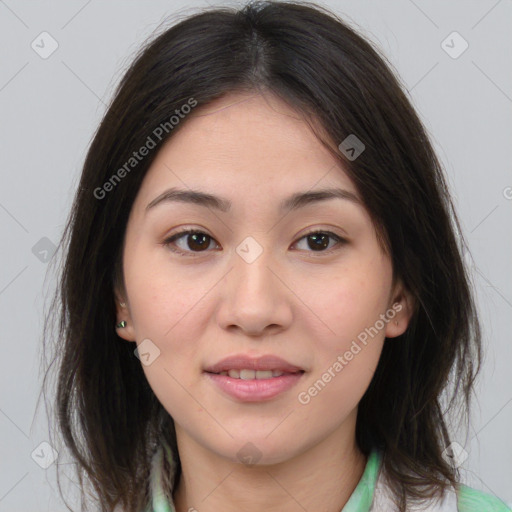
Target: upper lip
(245, 362)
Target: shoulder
(473, 500)
(461, 498)
(464, 499)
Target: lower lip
(255, 390)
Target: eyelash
(167, 242)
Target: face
(309, 284)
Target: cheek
(351, 299)
(173, 317)
(347, 353)
(174, 313)
(348, 349)
(163, 298)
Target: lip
(245, 362)
(255, 390)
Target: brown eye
(198, 241)
(318, 241)
(191, 242)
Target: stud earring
(121, 324)
(122, 304)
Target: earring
(121, 324)
(122, 304)
(396, 322)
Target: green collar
(359, 501)
(362, 497)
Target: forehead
(248, 146)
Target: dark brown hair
(338, 81)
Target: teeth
(247, 374)
(264, 374)
(252, 374)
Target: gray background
(51, 107)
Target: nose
(255, 299)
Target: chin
(256, 451)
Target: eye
(320, 240)
(197, 241)
(194, 241)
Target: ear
(123, 314)
(400, 311)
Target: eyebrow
(294, 202)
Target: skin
(303, 305)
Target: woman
(263, 296)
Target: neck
(320, 478)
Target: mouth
(248, 374)
(249, 367)
(250, 379)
